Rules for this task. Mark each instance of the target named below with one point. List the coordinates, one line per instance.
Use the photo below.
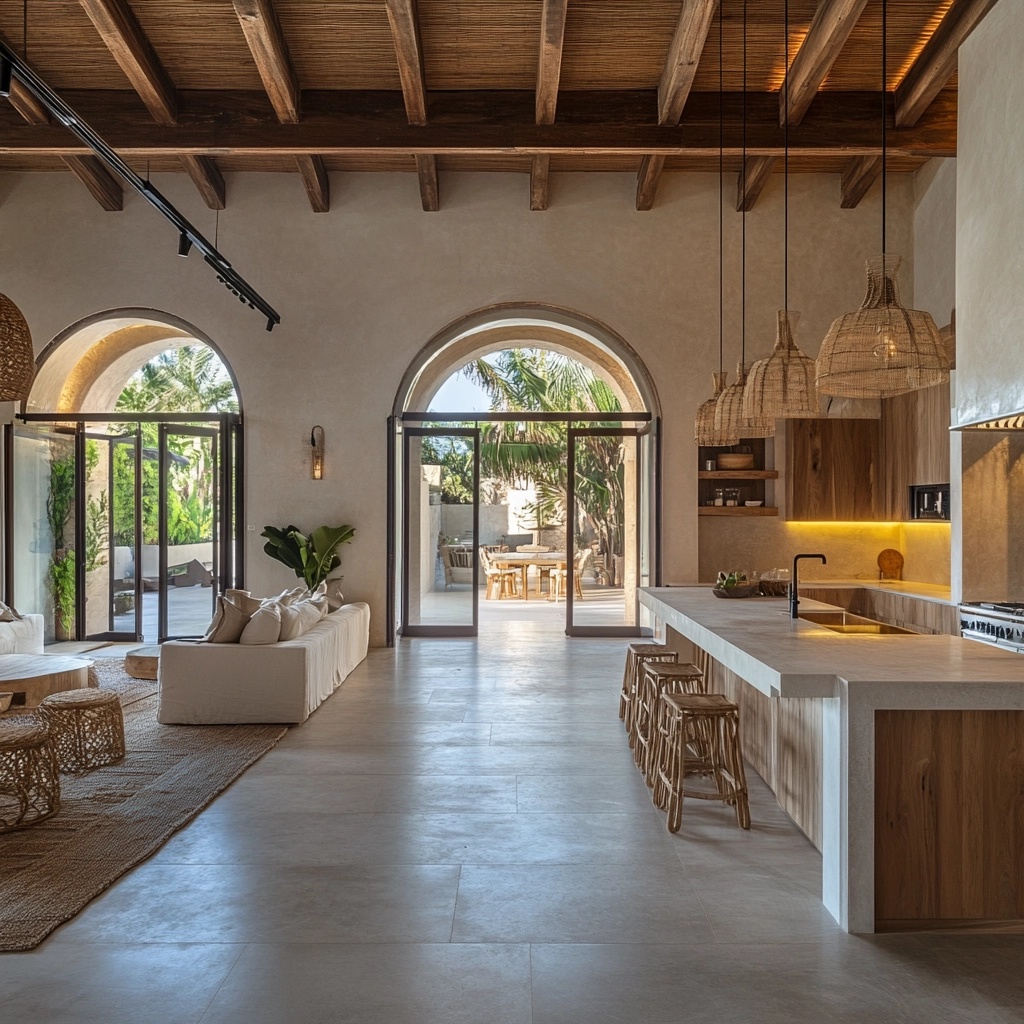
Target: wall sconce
(316, 457)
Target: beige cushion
(287, 597)
(8, 614)
(227, 625)
(243, 602)
(300, 618)
(265, 625)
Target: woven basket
(735, 460)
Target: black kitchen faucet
(794, 599)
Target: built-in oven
(1001, 625)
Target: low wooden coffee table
(31, 677)
(143, 662)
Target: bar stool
(638, 655)
(87, 728)
(29, 779)
(702, 737)
(659, 678)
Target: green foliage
(96, 520)
(455, 457)
(311, 558)
(60, 581)
(60, 500)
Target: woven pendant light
(729, 415)
(17, 360)
(781, 386)
(704, 430)
(883, 349)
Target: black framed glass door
(440, 574)
(603, 532)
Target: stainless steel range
(1001, 625)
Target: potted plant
(312, 558)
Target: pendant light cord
(721, 201)
(785, 170)
(885, 54)
(743, 213)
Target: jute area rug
(113, 818)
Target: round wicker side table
(87, 728)
(29, 779)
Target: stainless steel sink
(854, 625)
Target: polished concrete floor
(459, 836)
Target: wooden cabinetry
(749, 482)
(833, 470)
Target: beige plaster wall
(935, 239)
(990, 217)
(363, 288)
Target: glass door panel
(602, 527)
(441, 521)
(189, 521)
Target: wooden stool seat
(29, 778)
(143, 662)
(87, 728)
(659, 678)
(700, 737)
(637, 655)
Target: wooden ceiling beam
(750, 182)
(647, 180)
(687, 45)
(540, 169)
(549, 63)
(430, 193)
(858, 177)
(262, 31)
(121, 32)
(478, 123)
(93, 174)
(937, 61)
(831, 26)
(318, 185)
(405, 32)
(26, 104)
(206, 177)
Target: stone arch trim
(506, 325)
(86, 365)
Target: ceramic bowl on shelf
(753, 504)
(735, 460)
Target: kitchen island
(901, 757)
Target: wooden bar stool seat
(702, 740)
(638, 655)
(86, 727)
(659, 678)
(29, 779)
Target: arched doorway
(124, 481)
(609, 453)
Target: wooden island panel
(949, 820)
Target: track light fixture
(12, 64)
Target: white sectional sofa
(23, 636)
(230, 684)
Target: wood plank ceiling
(535, 86)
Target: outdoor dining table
(522, 560)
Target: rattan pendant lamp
(883, 349)
(17, 360)
(729, 412)
(704, 430)
(781, 386)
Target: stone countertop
(755, 638)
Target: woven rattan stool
(87, 728)
(638, 655)
(658, 678)
(702, 738)
(29, 779)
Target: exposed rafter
(207, 179)
(830, 28)
(751, 181)
(937, 61)
(26, 104)
(857, 179)
(92, 173)
(426, 168)
(540, 170)
(318, 185)
(262, 30)
(483, 123)
(405, 31)
(683, 56)
(647, 180)
(120, 30)
(549, 63)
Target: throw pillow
(299, 618)
(8, 614)
(227, 625)
(265, 625)
(247, 605)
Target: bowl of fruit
(735, 584)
